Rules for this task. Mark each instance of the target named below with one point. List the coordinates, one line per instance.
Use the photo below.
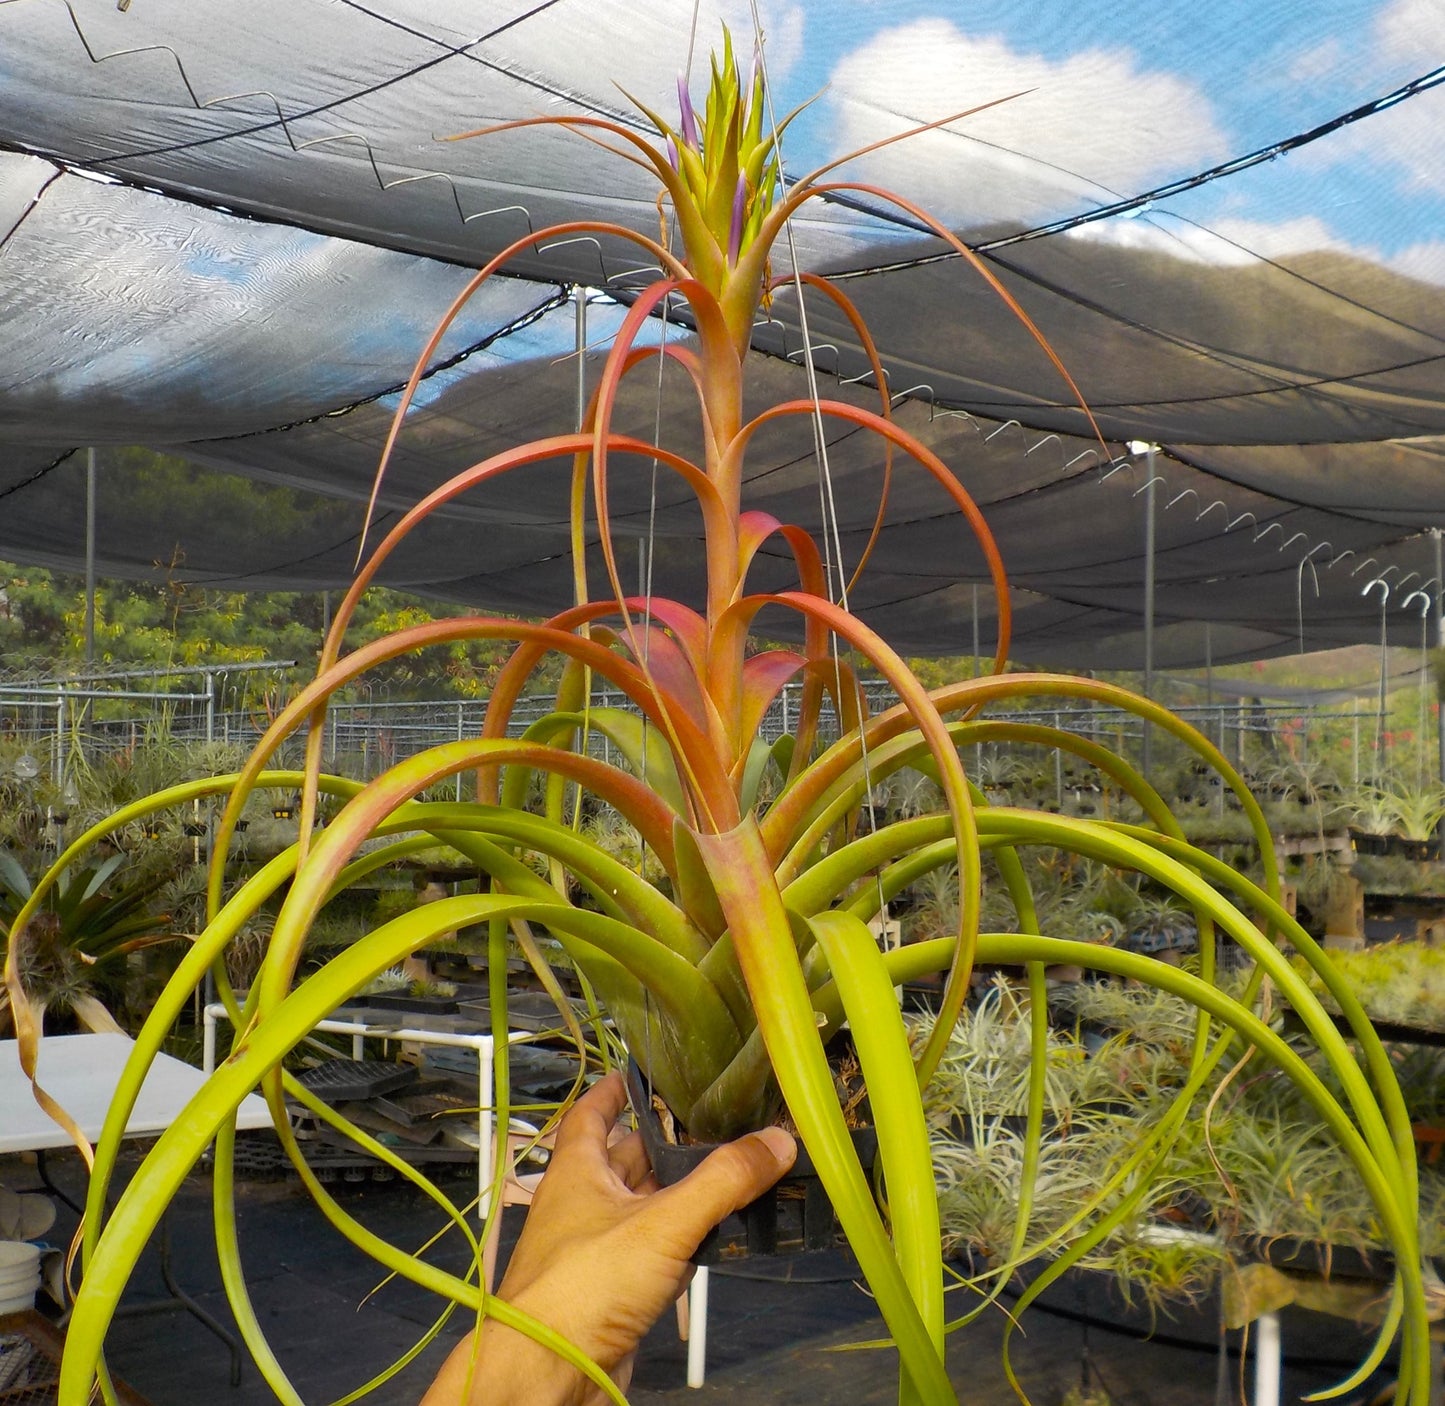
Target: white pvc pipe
(485, 1114)
(484, 1045)
(1267, 1355)
(697, 1327)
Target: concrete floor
(772, 1325)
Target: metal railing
(58, 721)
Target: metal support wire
(1149, 550)
(1143, 200)
(1435, 536)
(832, 537)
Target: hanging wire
(1384, 646)
(832, 536)
(1425, 601)
(651, 543)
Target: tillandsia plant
(733, 954)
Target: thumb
(725, 1181)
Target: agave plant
(731, 957)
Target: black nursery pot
(796, 1216)
(1315, 1258)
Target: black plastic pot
(1316, 1257)
(1419, 850)
(796, 1216)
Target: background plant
(1256, 1168)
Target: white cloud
(1403, 44)
(1423, 261)
(1231, 242)
(1089, 127)
(1410, 30)
(1311, 65)
(1228, 242)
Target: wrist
(514, 1370)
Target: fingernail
(780, 1143)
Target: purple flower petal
(689, 119)
(735, 229)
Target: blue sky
(1124, 96)
(1129, 94)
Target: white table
(80, 1072)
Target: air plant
(728, 975)
(1399, 983)
(70, 956)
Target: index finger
(584, 1129)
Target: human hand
(604, 1252)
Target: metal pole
(57, 765)
(974, 674)
(89, 557)
(461, 735)
(580, 294)
(1439, 641)
(208, 991)
(1149, 545)
(1382, 706)
(697, 1327)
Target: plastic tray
(424, 1102)
(348, 1080)
(526, 1010)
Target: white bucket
(19, 1302)
(19, 1275)
(17, 1255)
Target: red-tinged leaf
(331, 647)
(688, 628)
(805, 189)
(693, 748)
(989, 277)
(647, 156)
(764, 676)
(535, 451)
(560, 446)
(726, 659)
(609, 665)
(935, 466)
(362, 815)
(720, 400)
(755, 528)
(670, 671)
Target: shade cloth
(225, 232)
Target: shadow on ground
(773, 1334)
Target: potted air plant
(728, 973)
